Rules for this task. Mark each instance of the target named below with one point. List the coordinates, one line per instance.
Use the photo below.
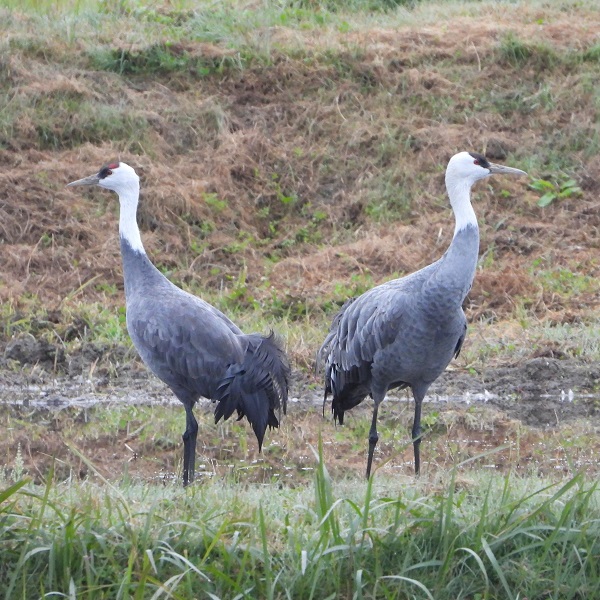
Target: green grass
(495, 537)
(160, 60)
(66, 120)
(138, 42)
(573, 340)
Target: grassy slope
(293, 156)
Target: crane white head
(117, 176)
(471, 167)
(464, 169)
(122, 179)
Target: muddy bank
(539, 392)
(533, 417)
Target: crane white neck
(128, 227)
(459, 192)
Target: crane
(403, 333)
(188, 343)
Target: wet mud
(540, 392)
(536, 405)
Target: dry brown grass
(487, 437)
(350, 117)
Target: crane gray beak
(501, 169)
(91, 180)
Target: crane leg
(373, 439)
(416, 434)
(189, 446)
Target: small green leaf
(541, 185)
(569, 192)
(546, 199)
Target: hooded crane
(189, 344)
(404, 333)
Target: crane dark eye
(476, 162)
(106, 171)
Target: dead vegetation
(308, 174)
(120, 444)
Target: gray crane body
(186, 342)
(432, 313)
(405, 332)
(374, 335)
(165, 326)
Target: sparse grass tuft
(518, 53)
(160, 60)
(592, 54)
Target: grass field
(292, 155)
(488, 536)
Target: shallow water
(65, 393)
(484, 426)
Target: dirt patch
(299, 181)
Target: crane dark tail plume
(258, 387)
(348, 387)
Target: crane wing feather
(369, 324)
(198, 351)
(195, 342)
(461, 339)
(363, 327)
(372, 321)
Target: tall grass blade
(482, 455)
(13, 489)
(497, 569)
(93, 468)
(411, 581)
(180, 561)
(265, 552)
(166, 588)
(481, 566)
(324, 498)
